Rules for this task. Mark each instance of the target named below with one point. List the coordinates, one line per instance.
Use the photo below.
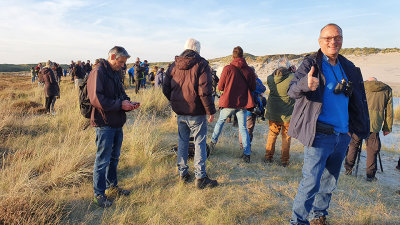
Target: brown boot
(319, 221)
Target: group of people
(139, 74)
(323, 104)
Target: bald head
(332, 25)
(372, 79)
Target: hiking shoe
(205, 182)
(348, 172)
(372, 179)
(185, 178)
(246, 158)
(118, 191)
(285, 164)
(102, 201)
(211, 147)
(319, 221)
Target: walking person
(187, 85)
(380, 108)
(330, 106)
(279, 112)
(51, 88)
(110, 103)
(237, 82)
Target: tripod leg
(358, 157)
(380, 160)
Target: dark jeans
(49, 100)
(373, 144)
(108, 141)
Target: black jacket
(309, 103)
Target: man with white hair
(380, 108)
(110, 103)
(187, 85)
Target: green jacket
(380, 105)
(279, 104)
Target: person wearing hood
(187, 85)
(51, 88)
(237, 82)
(380, 108)
(279, 111)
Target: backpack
(84, 101)
(151, 76)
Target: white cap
(192, 44)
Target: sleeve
(205, 90)
(96, 93)
(166, 88)
(299, 84)
(222, 79)
(388, 122)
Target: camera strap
(341, 71)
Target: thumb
(311, 72)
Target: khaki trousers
(274, 130)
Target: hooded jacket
(308, 103)
(187, 85)
(380, 105)
(106, 94)
(279, 104)
(235, 87)
(51, 87)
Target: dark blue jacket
(309, 103)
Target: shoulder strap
(241, 74)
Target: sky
(34, 31)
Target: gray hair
(119, 52)
(332, 24)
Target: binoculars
(344, 87)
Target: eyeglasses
(338, 38)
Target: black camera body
(344, 87)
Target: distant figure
(152, 75)
(78, 73)
(131, 74)
(33, 74)
(145, 67)
(237, 82)
(380, 108)
(279, 112)
(51, 88)
(330, 106)
(159, 79)
(139, 74)
(110, 103)
(187, 85)
(88, 67)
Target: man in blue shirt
(330, 107)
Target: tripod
(358, 155)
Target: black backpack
(84, 102)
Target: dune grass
(47, 162)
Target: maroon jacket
(236, 93)
(188, 85)
(51, 87)
(106, 94)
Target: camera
(344, 87)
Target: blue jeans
(241, 115)
(322, 163)
(108, 141)
(195, 126)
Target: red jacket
(236, 93)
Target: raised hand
(313, 82)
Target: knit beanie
(192, 44)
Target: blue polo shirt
(334, 106)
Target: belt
(324, 128)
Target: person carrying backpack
(110, 102)
(279, 111)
